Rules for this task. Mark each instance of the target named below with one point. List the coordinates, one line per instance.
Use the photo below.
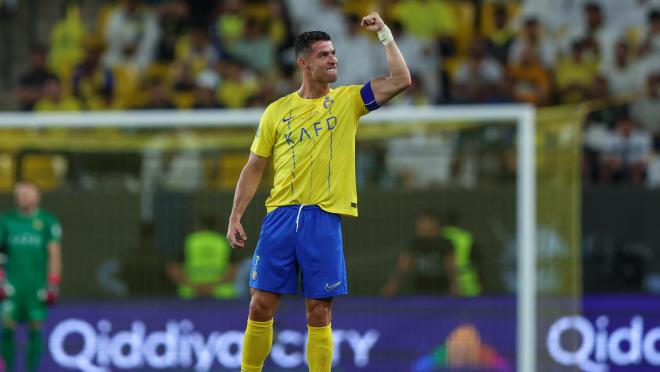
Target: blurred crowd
(167, 54)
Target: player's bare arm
(54, 259)
(386, 87)
(245, 190)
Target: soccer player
(30, 239)
(310, 135)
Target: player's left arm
(386, 87)
(54, 262)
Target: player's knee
(261, 309)
(318, 314)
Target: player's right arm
(386, 87)
(260, 151)
(5, 288)
(245, 190)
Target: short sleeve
(364, 97)
(3, 246)
(54, 231)
(264, 139)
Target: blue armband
(368, 97)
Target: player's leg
(323, 270)
(36, 313)
(35, 346)
(274, 272)
(259, 331)
(319, 336)
(13, 312)
(8, 344)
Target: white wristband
(385, 35)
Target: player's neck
(28, 211)
(311, 90)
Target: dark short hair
(654, 15)
(592, 6)
(304, 41)
(26, 181)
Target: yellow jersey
(312, 142)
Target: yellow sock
(256, 345)
(319, 348)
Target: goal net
(502, 181)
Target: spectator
(264, 95)
(66, 40)
(238, 85)
(206, 84)
(254, 49)
(574, 75)
(478, 79)
(467, 279)
(623, 74)
(92, 84)
(142, 270)
(280, 30)
(556, 17)
(173, 22)
(423, 60)
(596, 133)
(196, 49)
(31, 83)
(499, 42)
(593, 33)
(646, 110)
(333, 21)
(427, 263)
(131, 36)
(159, 96)
(54, 99)
(651, 44)
(183, 84)
(532, 37)
(184, 78)
(426, 19)
(627, 154)
(207, 266)
(631, 16)
(530, 81)
(228, 27)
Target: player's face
(322, 62)
(27, 196)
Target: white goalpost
(526, 211)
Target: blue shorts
(300, 241)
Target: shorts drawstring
(298, 216)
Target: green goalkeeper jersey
(25, 240)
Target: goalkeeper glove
(52, 291)
(6, 289)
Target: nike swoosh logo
(284, 120)
(329, 288)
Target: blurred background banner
(203, 336)
(615, 333)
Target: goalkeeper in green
(30, 275)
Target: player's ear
(301, 62)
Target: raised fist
(373, 22)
